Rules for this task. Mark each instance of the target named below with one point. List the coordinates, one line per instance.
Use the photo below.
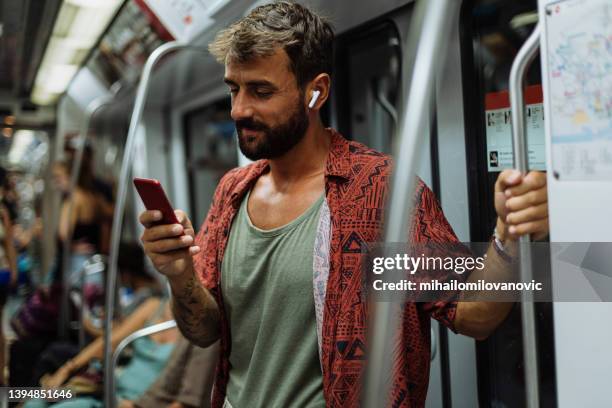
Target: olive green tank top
(266, 281)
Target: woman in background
(80, 219)
(8, 264)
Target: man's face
(267, 106)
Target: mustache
(250, 124)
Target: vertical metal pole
(435, 19)
(91, 110)
(126, 164)
(519, 142)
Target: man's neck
(304, 161)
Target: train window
(211, 151)
(369, 77)
(492, 33)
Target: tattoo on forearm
(195, 315)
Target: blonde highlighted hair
(306, 37)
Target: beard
(273, 141)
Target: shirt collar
(338, 159)
(246, 183)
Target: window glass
(369, 67)
(211, 152)
(500, 29)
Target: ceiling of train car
(25, 27)
(192, 70)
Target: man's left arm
(521, 202)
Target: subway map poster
(579, 42)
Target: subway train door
(491, 34)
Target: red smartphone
(154, 198)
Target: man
(275, 271)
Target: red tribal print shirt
(356, 187)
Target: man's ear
(317, 91)
(315, 97)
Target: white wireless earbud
(313, 100)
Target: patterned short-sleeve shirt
(356, 189)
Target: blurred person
(27, 238)
(150, 355)
(103, 190)
(10, 197)
(8, 265)
(37, 351)
(136, 286)
(27, 243)
(186, 381)
(80, 219)
(138, 283)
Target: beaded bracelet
(499, 247)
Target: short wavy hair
(306, 37)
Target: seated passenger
(150, 355)
(36, 351)
(134, 277)
(186, 382)
(136, 283)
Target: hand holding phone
(154, 198)
(169, 240)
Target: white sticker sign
(500, 154)
(184, 19)
(579, 61)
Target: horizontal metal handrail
(147, 331)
